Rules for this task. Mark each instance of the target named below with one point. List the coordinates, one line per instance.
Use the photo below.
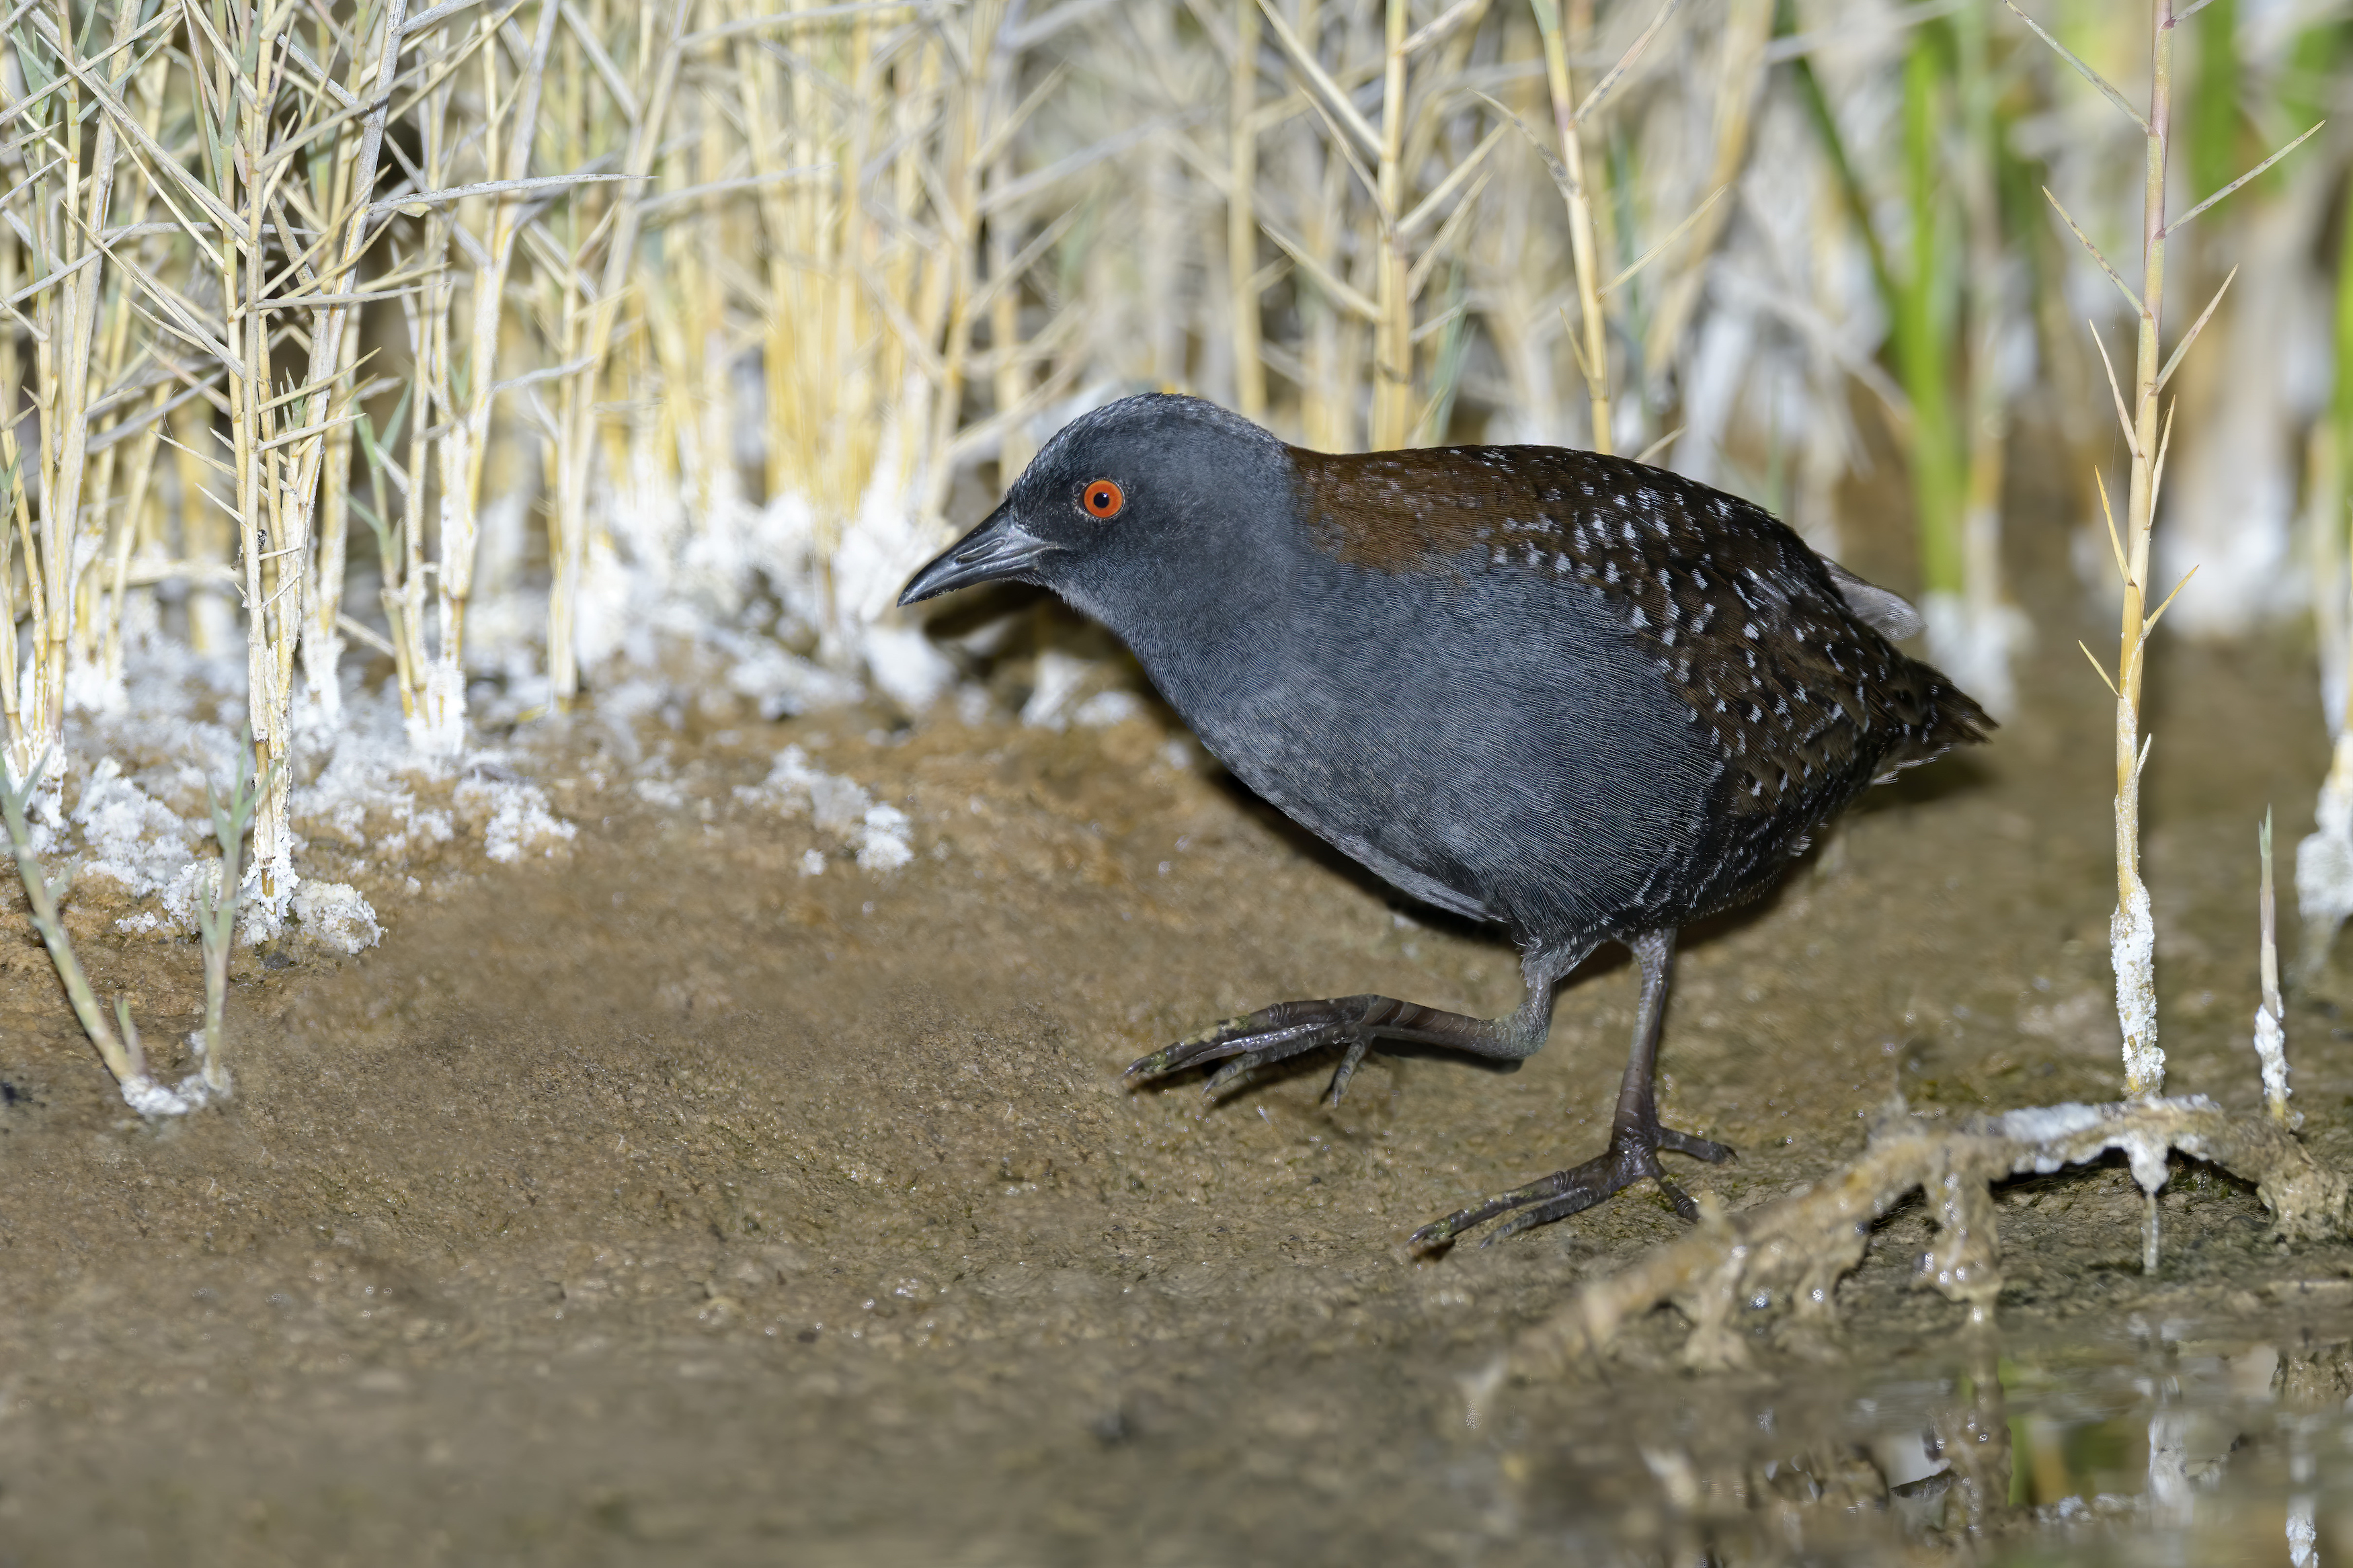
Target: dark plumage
(1581, 698)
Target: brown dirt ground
(665, 1204)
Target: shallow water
(669, 1203)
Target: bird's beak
(997, 548)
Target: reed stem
(1593, 350)
(2132, 932)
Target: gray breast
(1493, 743)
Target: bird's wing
(1763, 643)
(1890, 615)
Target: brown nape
(1744, 621)
(1405, 512)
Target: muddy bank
(681, 1200)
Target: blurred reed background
(495, 344)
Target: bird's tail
(1934, 716)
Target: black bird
(1581, 698)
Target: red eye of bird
(1104, 498)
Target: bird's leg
(1354, 1024)
(1635, 1135)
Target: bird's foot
(1632, 1156)
(1269, 1035)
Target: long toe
(1535, 1215)
(1233, 1075)
(1349, 1061)
(1631, 1157)
(1556, 1196)
(1697, 1148)
(1268, 1034)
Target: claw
(1343, 1072)
(1680, 1198)
(1269, 1035)
(1237, 1071)
(1631, 1157)
(1526, 1220)
(1697, 1148)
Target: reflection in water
(2173, 1444)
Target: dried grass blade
(1608, 83)
(2116, 540)
(2173, 361)
(415, 202)
(2121, 287)
(2177, 222)
(1063, 168)
(795, 20)
(1323, 277)
(1026, 257)
(1672, 234)
(2150, 625)
(1002, 137)
(691, 194)
(1558, 169)
(1442, 243)
(49, 280)
(2083, 69)
(2099, 669)
(1453, 181)
(2132, 437)
(2164, 446)
(438, 14)
(128, 124)
(1659, 446)
(1326, 91)
(602, 63)
(1438, 26)
(124, 429)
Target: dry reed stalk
(1392, 414)
(839, 410)
(1593, 354)
(217, 913)
(271, 103)
(1390, 270)
(391, 554)
(1011, 368)
(587, 346)
(2271, 1013)
(1591, 231)
(965, 128)
(1742, 66)
(372, 42)
(117, 1044)
(141, 425)
(1241, 215)
(2132, 932)
(1333, 306)
(144, 426)
(426, 314)
(120, 1052)
(508, 128)
(241, 209)
(74, 189)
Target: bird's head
(1153, 478)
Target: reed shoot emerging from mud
(117, 1044)
(217, 912)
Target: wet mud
(675, 1201)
